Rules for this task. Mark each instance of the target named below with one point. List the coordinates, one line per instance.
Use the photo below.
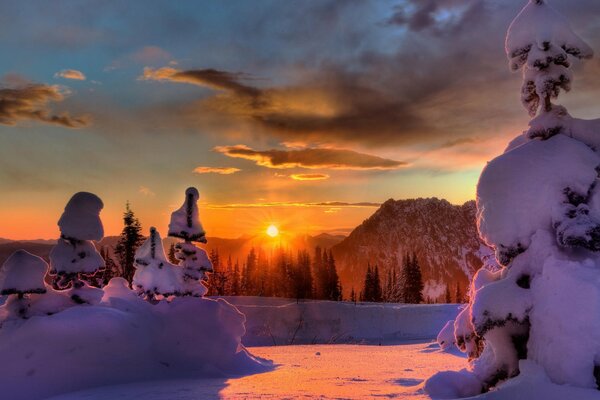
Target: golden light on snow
(272, 231)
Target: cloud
(211, 78)
(70, 74)
(311, 158)
(146, 191)
(31, 102)
(309, 177)
(216, 170)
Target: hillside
(444, 237)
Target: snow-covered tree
(185, 224)
(538, 205)
(155, 276)
(21, 275)
(75, 257)
(540, 41)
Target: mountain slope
(444, 237)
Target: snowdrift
(272, 321)
(122, 339)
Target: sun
(272, 231)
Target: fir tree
(447, 297)
(131, 238)
(333, 281)
(458, 294)
(235, 280)
(411, 280)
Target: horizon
(305, 127)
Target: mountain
(444, 237)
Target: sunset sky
(305, 115)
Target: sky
(303, 114)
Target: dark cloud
(313, 158)
(31, 102)
(437, 78)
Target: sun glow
(272, 231)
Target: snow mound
(81, 220)
(122, 339)
(155, 275)
(526, 189)
(23, 273)
(73, 257)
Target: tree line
(281, 273)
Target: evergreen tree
(131, 238)
(377, 296)
(333, 281)
(235, 280)
(171, 255)
(447, 297)
(411, 280)
(458, 296)
(353, 296)
(250, 281)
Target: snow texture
(185, 222)
(23, 273)
(272, 321)
(81, 218)
(537, 318)
(73, 257)
(529, 188)
(154, 275)
(122, 339)
(540, 41)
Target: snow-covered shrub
(154, 275)
(21, 275)
(539, 207)
(53, 342)
(75, 257)
(185, 224)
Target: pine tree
(377, 296)
(458, 294)
(334, 286)
(130, 240)
(447, 297)
(353, 295)
(411, 280)
(235, 280)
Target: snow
(281, 321)
(23, 272)
(71, 257)
(522, 190)
(308, 371)
(81, 220)
(155, 275)
(122, 339)
(185, 222)
(537, 25)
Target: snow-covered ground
(310, 371)
(273, 321)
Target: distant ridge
(444, 237)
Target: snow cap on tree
(81, 218)
(540, 40)
(23, 273)
(73, 257)
(185, 222)
(151, 250)
(155, 275)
